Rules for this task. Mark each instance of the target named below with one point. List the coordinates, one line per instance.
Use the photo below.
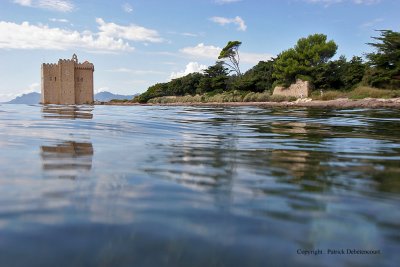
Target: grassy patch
(231, 96)
(364, 92)
(328, 95)
(120, 100)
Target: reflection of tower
(67, 160)
(67, 112)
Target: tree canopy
(385, 61)
(231, 52)
(302, 60)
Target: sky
(134, 44)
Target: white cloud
(367, 2)
(358, 2)
(189, 34)
(57, 5)
(212, 52)
(372, 23)
(59, 20)
(191, 67)
(236, 20)
(221, 2)
(110, 38)
(23, 2)
(131, 32)
(202, 51)
(33, 87)
(254, 58)
(127, 8)
(136, 72)
(27, 36)
(102, 89)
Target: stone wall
(300, 89)
(83, 85)
(50, 83)
(68, 82)
(67, 70)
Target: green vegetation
(230, 96)
(360, 92)
(231, 52)
(304, 60)
(310, 59)
(384, 71)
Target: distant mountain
(29, 99)
(107, 96)
(34, 98)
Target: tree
(214, 79)
(157, 90)
(353, 72)
(257, 79)
(231, 52)
(385, 62)
(302, 60)
(330, 74)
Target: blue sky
(136, 43)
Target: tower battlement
(67, 82)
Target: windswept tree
(385, 61)
(231, 52)
(303, 60)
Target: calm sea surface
(198, 186)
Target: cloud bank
(111, 37)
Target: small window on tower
(55, 78)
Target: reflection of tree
(67, 112)
(67, 160)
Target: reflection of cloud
(67, 160)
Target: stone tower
(68, 82)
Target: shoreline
(337, 103)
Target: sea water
(198, 186)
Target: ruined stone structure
(67, 82)
(300, 89)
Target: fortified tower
(68, 82)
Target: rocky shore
(306, 102)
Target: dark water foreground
(198, 186)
